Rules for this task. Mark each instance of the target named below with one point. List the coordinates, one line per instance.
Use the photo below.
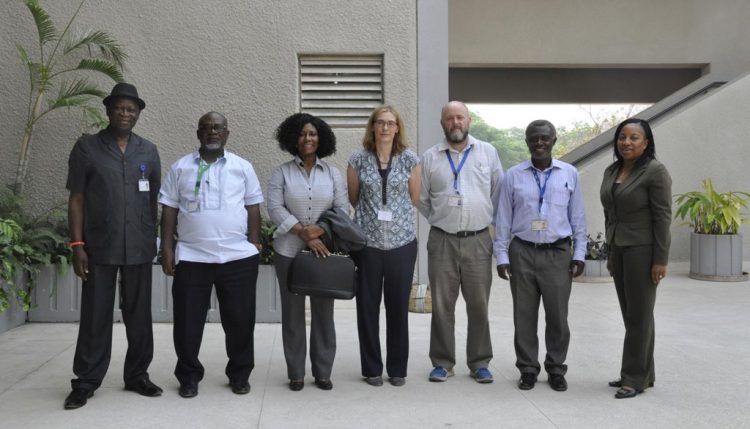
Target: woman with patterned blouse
(383, 182)
(299, 191)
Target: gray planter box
(716, 257)
(594, 272)
(14, 316)
(57, 297)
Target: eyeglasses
(386, 124)
(212, 128)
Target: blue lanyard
(542, 189)
(460, 166)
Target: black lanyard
(384, 177)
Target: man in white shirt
(211, 197)
(461, 179)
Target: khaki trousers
(459, 264)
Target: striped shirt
(562, 207)
(294, 197)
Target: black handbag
(331, 277)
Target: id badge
(455, 201)
(193, 206)
(539, 225)
(385, 215)
(143, 185)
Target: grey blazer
(639, 212)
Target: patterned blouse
(401, 230)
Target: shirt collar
(444, 145)
(107, 137)
(298, 161)
(527, 165)
(197, 156)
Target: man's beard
(456, 136)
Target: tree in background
(59, 64)
(510, 142)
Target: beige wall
(705, 139)
(601, 32)
(187, 57)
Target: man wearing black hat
(114, 178)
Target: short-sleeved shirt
(294, 197)
(119, 223)
(212, 213)
(401, 229)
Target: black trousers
(191, 293)
(94, 346)
(388, 274)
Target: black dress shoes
(188, 390)
(323, 384)
(557, 382)
(296, 385)
(618, 383)
(144, 387)
(527, 381)
(627, 392)
(78, 398)
(240, 387)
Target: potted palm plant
(715, 243)
(597, 251)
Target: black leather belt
(565, 240)
(462, 234)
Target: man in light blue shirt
(540, 209)
(211, 198)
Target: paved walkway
(702, 354)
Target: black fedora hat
(123, 89)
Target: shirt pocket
(560, 197)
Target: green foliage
(26, 245)
(510, 143)
(711, 212)
(63, 60)
(267, 228)
(597, 248)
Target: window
(343, 90)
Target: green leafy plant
(26, 245)
(712, 212)
(597, 248)
(267, 228)
(57, 71)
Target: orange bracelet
(76, 243)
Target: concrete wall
(187, 57)
(704, 139)
(601, 32)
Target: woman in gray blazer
(637, 199)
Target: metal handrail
(598, 143)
